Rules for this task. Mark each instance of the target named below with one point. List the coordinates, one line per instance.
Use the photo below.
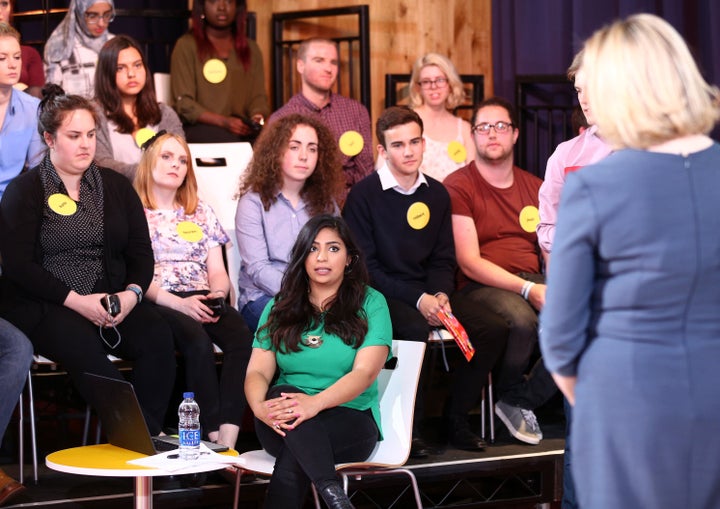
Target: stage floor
(507, 474)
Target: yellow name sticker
(457, 152)
(418, 215)
(143, 135)
(189, 231)
(62, 204)
(529, 218)
(215, 70)
(351, 143)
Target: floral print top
(181, 244)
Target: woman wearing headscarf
(71, 52)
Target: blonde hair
(6, 30)
(457, 92)
(186, 195)
(643, 85)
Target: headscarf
(62, 41)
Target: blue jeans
(252, 311)
(16, 353)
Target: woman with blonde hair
(295, 174)
(630, 328)
(435, 90)
(190, 284)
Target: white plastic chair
(397, 388)
(218, 169)
(163, 92)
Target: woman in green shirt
(328, 335)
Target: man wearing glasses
(494, 216)
(71, 52)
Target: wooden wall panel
(402, 30)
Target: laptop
(119, 411)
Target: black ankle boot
(335, 497)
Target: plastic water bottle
(189, 427)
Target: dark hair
(496, 101)
(108, 95)
(205, 48)
(293, 314)
(54, 107)
(393, 117)
(264, 175)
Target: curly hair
(293, 313)
(186, 195)
(265, 174)
(108, 96)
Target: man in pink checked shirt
(584, 149)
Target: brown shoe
(9, 487)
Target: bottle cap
(188, 395)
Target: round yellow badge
(457, 152)
(215, 70)
(143, 135)
(189, 231)
(62, 204)
(351, 143)
(529, 218)
(418, 215)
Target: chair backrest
(397, 388)
(218, 169)
(163, 92)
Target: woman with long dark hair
(328, 335)
(128, 110)
(217, 76)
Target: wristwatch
(136, 290)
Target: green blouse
(314, 369)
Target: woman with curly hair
(217, 77)
(128, 109)
(328, 335)
(435, 90)
(295, 174)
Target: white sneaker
(521, 423)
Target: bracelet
(525, 291)
(136, 290)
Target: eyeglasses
(93, 18)
(436, 83)
(484, 128)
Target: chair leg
(33, 429)
(21, 437)
(316, 498)
(491, 409)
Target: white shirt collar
(388, 181)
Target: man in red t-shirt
(494, 215)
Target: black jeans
(69, 339)
(514, 388)
(309, 452)
(219, 403)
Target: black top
(127, 252)
(404, 261)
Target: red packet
(458, 332)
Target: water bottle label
(189, 437)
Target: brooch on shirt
(312, 341)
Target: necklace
(312, 341)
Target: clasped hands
(288, 410)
